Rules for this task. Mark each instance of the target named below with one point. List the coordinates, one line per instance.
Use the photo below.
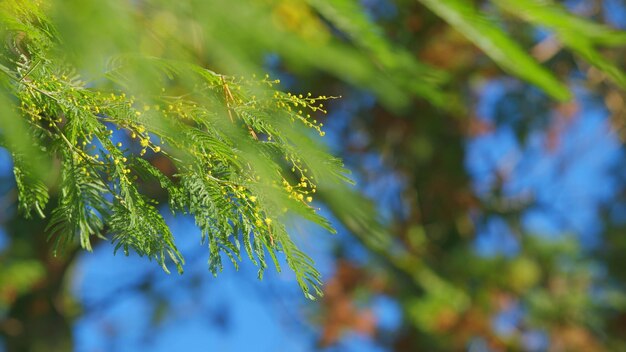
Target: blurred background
(486, 140)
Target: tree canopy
(116, 112)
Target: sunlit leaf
(486, 35)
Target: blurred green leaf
(556, 17)
(485, 34)
(17, 137)
(578, 34)
(399, 64)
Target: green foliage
(230, 149)
(486, 34)
(18, 277)
(234, 153)
(580, 35)
(32, 192)
(397, 62)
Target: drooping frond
(234, 153)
